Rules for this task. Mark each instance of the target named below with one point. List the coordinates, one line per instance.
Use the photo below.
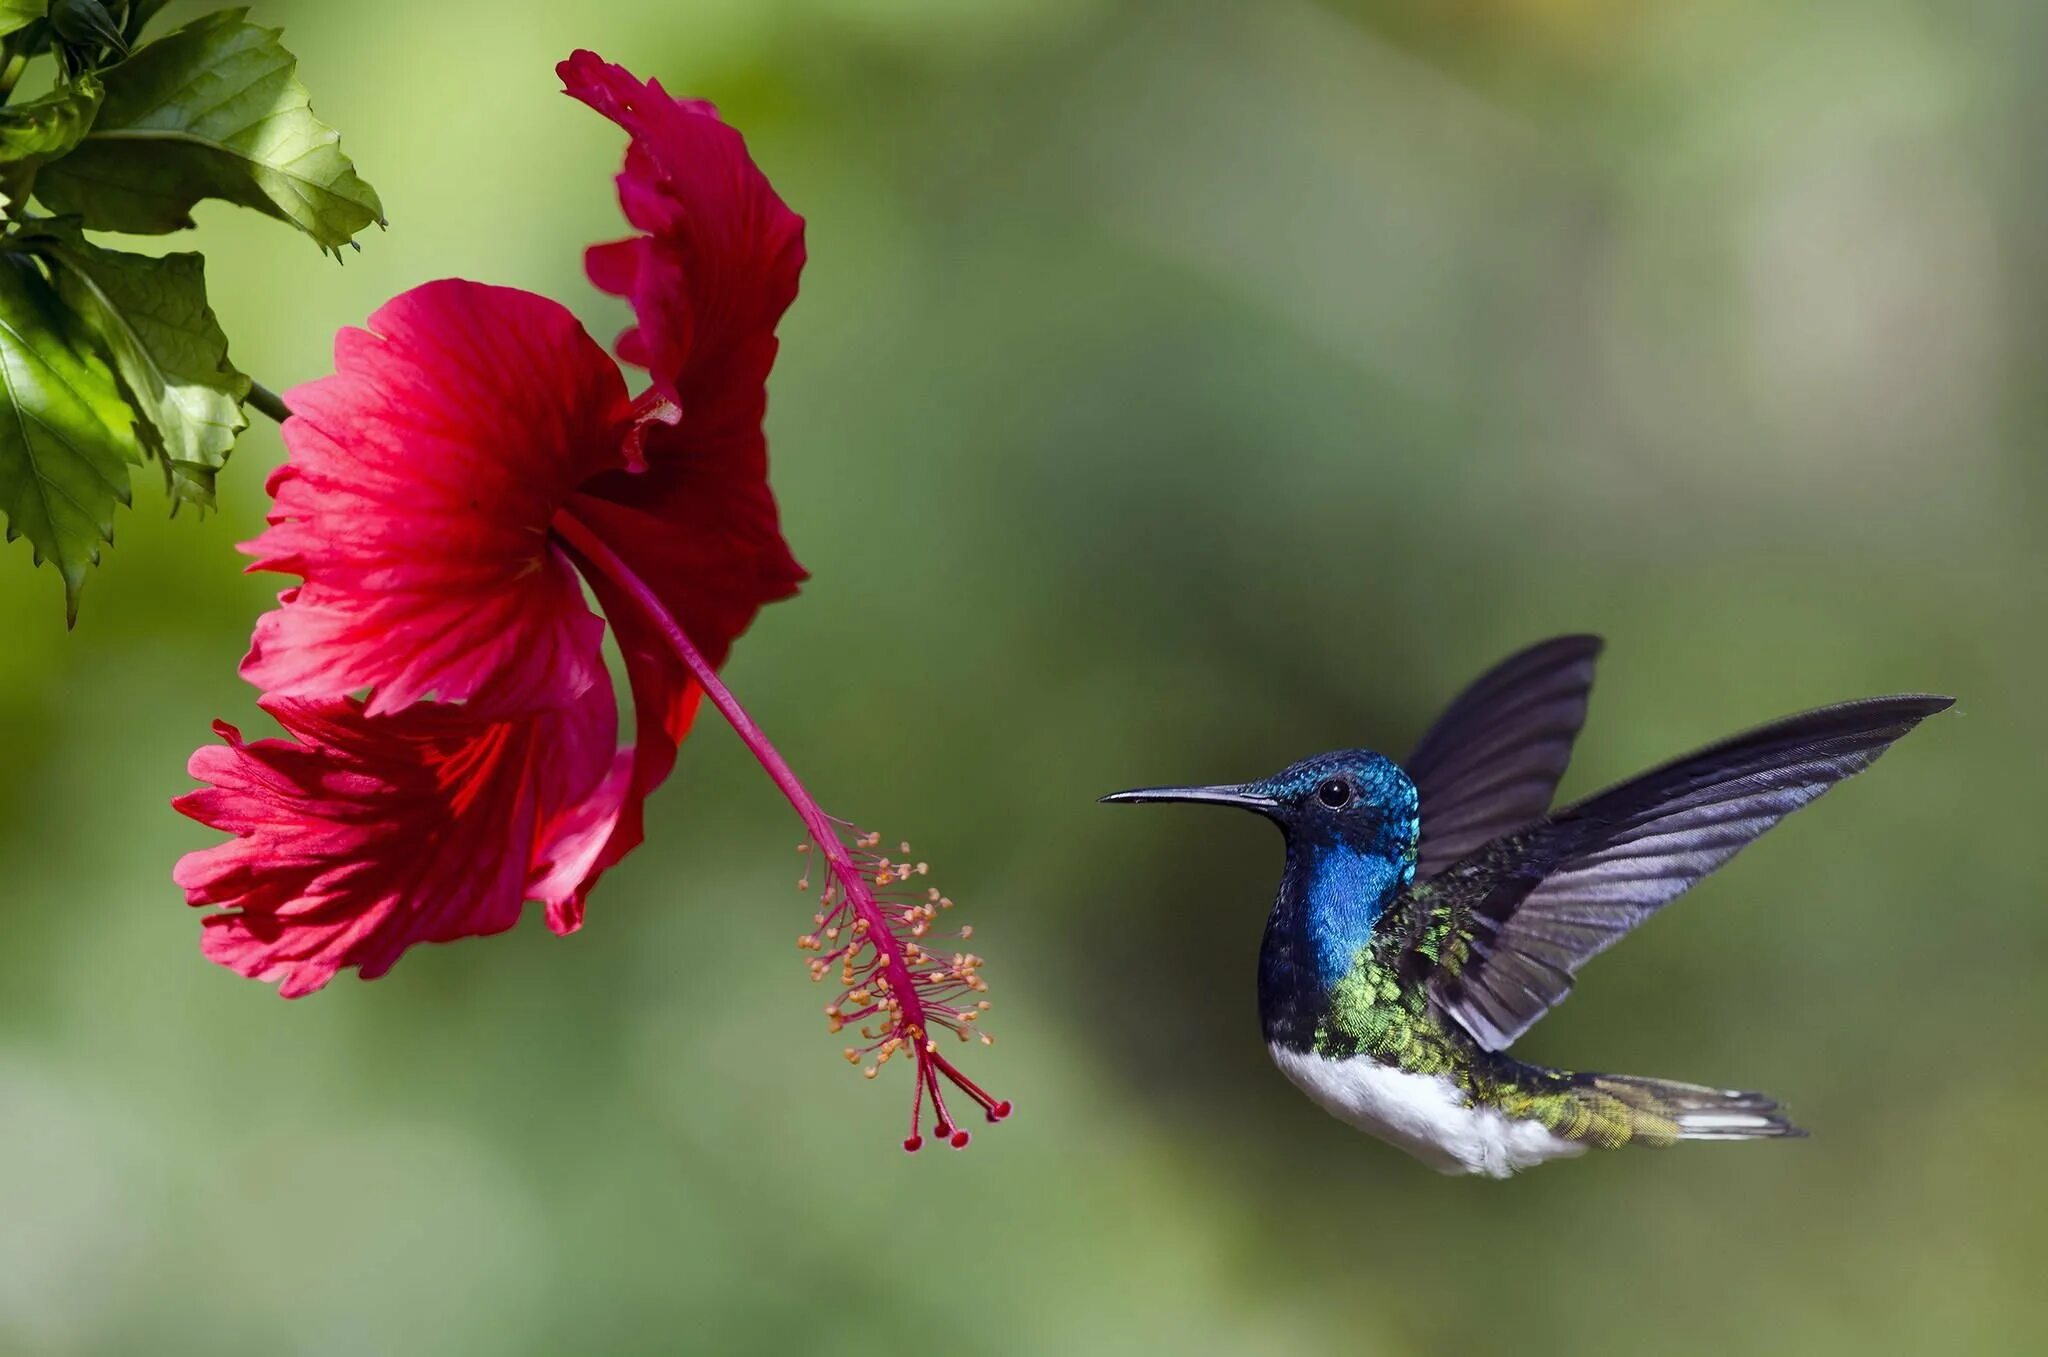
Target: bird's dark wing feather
(1518, 918)
(1491, 762)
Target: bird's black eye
(1336, 793)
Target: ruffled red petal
(719, 262)
(362, 835)
(415, 505)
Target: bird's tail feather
(1612, 1110)
(1663, 1110)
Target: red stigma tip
(913, 1144)
(943, 1130)
(958, 1140)
(999, 1111)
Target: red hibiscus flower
(471, 465)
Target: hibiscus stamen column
(890, 973)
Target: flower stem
(823, 829)
(267, 402)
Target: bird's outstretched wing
(1515, 920)
(1491, 762)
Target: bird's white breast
(1424, 1114)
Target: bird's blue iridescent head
(1351, 799)
(1352, 820)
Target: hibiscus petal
(719, 263)
(415, 505)
(692, 515)
(361, 835)
(699, 527)
(570, 852)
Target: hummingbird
(1431, 911)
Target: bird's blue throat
(1346, 892)
(1339, 880)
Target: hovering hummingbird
(1431, 912)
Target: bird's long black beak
(1212, 796)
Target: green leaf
(212, 110)
(41, 130)
(86, 23)
(15, 14)
(46, 128)
(66, 436)
(150, 316)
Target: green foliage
(86, 23)
(19, 14)
(43, 130)
(151, 316)
(109, 355)
(214, 110)
(66, 435)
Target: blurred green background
(1176, 390)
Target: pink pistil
(900, 983)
